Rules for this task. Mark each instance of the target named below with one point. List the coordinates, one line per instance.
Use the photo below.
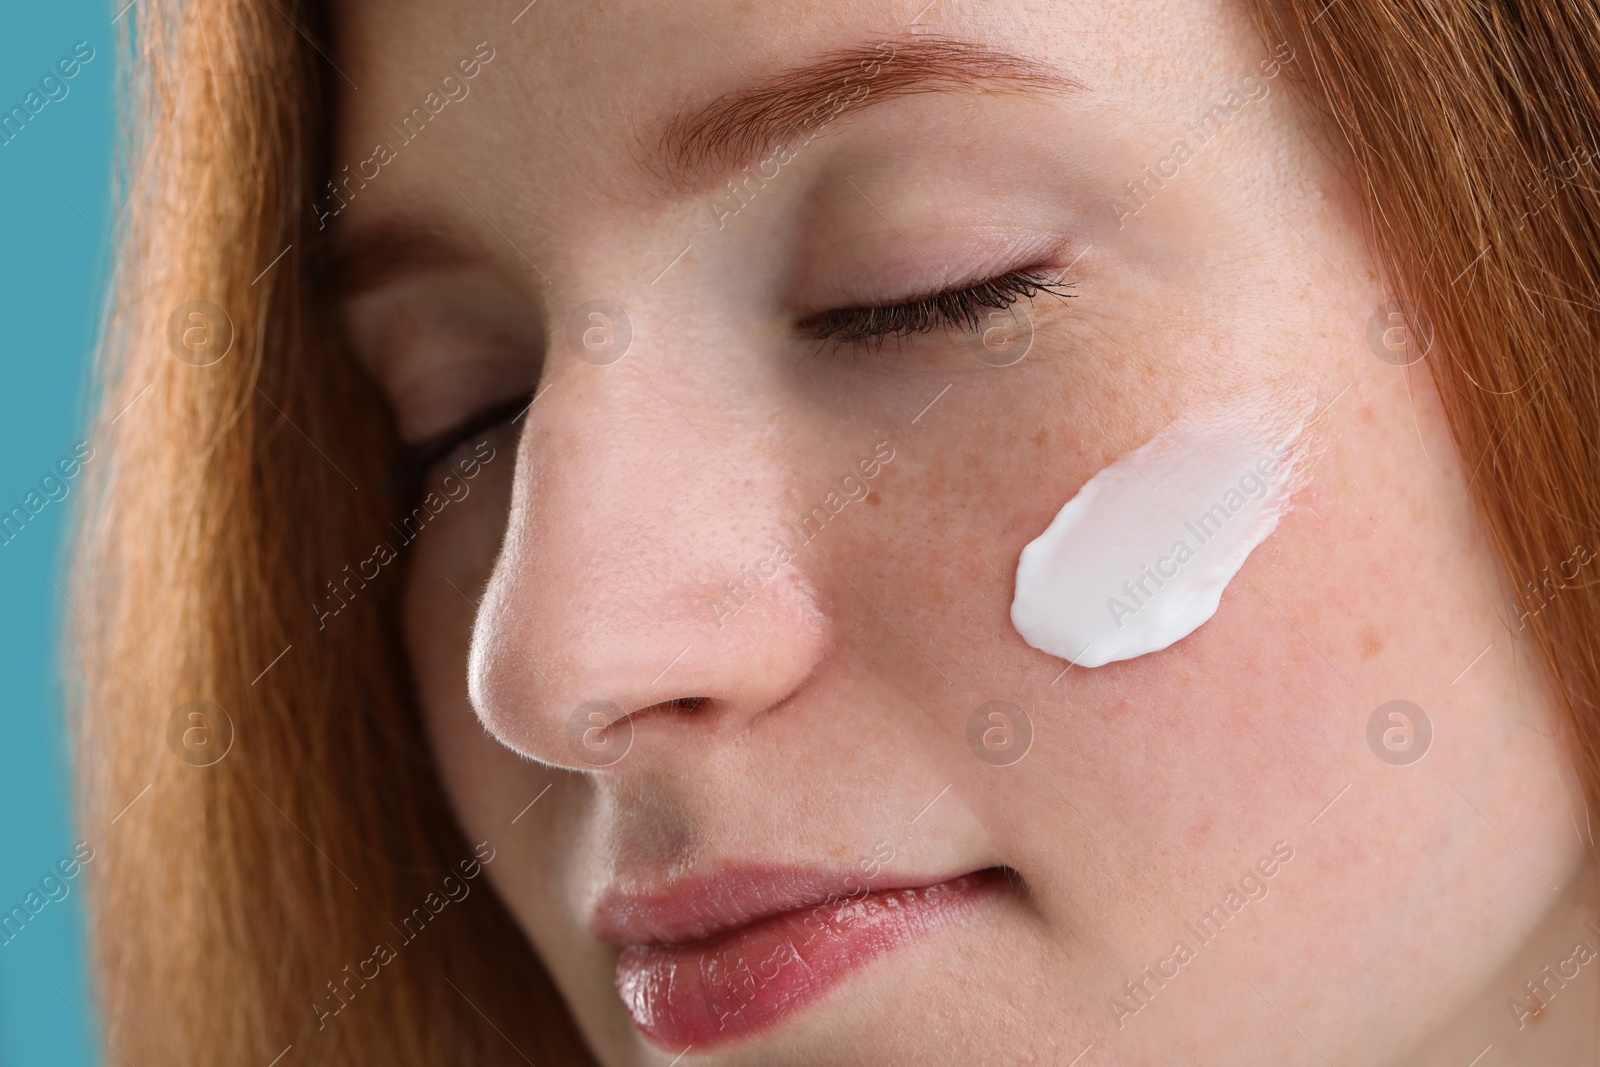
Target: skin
(586, 561)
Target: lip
(724, 957)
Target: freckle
(873, 498)
(1038, 437)
(1371, 645)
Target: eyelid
(443, 344)
(867, 267)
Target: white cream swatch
(1138, 559)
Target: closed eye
(418, 459)
(953, 309)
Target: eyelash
(961, 309)
(418, 459)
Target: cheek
(487, 784)
(438, 632)
(449, 565)
(976, 478)
(1378, 587)
(1197, 759)
(533, 816)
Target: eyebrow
(735, 128)
(391, 248)
(731, 132)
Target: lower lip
(750, 980)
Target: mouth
(736, 954)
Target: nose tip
(585, 710)
(566, 671)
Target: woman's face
(710, 637)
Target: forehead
(576, 95)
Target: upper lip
(700, 908)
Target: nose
(649, 601)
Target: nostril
(681, 704)
(599, 733)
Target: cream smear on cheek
(1138, 559)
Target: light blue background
(53, 268)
